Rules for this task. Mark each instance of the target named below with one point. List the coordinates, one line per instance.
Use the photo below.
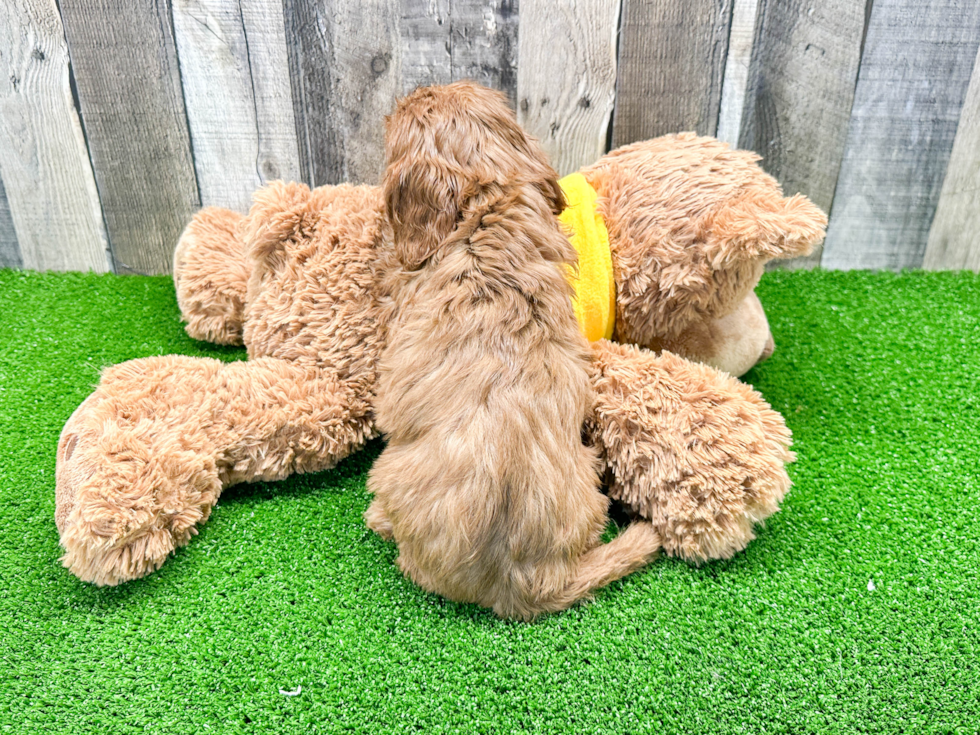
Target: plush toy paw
(693, 450)
(143, 460)
(211, 276)
(132, 482)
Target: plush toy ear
(761, 226)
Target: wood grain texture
(737, 63)
(800, 92)
(954, 238)
(566, 79)
(50, 196)
(484, 43)
(128, 83)
(235, 77)
(917, 62)
(671, 65)
(447, 40)
(345, 63)
(426, 48)
(9, 248)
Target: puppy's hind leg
(377, 520)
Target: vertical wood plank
(671, 64)
(954, 239)
(346, 68)
(425, 43)
(294, 52)
(801, 89)
(9, 249)
(128, 83)
(447, 40)
(50, 195)
(484, 43)
(265, 34)
(236, 88)
(913, 79)
(566, 79)
(737, 63)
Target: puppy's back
(485, 482)
(491, 493)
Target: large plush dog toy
(689, 226)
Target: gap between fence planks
(129, 91)
(671, 64)
(567, 77)
(910, 91)
(9, 249)
(881, 169)
(484, 43)
(954, 239)
(345, 63)
(50, 191)
(801, 87)
(447, 40)
(235, 76)
(425, 41)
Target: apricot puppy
(485, 483)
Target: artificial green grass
(856, 609)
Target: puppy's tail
(632, 549)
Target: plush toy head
(691, 226)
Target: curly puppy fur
(485, 483)
(691, 224)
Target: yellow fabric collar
(594, 285)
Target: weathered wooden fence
(119, 118)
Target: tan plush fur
(693, 450)
(691, 224)
(485, 483)
(142, 461)
(212, 300)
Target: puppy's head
(449, 148)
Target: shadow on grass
(348, 476)
(181, 573)
(350, 473)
